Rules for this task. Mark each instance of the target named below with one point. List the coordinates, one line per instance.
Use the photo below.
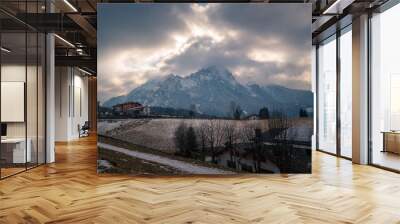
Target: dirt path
(180, 165)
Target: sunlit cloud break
(259, 43)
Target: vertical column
(50, 92)
(338, 99)
(360, 90)
(314, 91)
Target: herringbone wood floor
(70, 191)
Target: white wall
(80, 105)
(71, 103)
(16, 73)
(62, 82)
(33, 125)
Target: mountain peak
(214, 72)
(215, 69)
(170, 76)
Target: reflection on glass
(22, 92)
(385, 89)
(394, 102)
(327, 96)
(31, 100)
(14, 153)
(41, 98)
(346, 94)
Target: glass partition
(14, 153)
(41, 97)
(327, 95)
(385, 89)
(22, 88)
(31, 99)
(346, 92)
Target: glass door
(385, 89)
(346, 92)
(22, 77)
(14, 155)
(327, 95)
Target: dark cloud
(138, 25)
(288, 22)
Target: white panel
(395, 102)
(327, 97)
(346, 94)
(12, 101)
(50, 93)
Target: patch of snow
(177, 164)
(188, 83)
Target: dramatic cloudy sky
(258, 43)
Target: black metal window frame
(387, 5)
(332, 37)
(29, 30)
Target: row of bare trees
(213, 135)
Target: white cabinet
(19, 155)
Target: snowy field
(159, 133)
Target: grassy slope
(137, 148)
(130, 165)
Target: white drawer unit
(19, 155)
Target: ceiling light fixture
(70, 5)
(79, 51)
(84, 71)
(5, 50)
(337, 7)
(64, 40)
(329, 9)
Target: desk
(391, 141)
(15, 148)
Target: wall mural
(204, 88)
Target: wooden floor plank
(70, 191)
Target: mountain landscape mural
(212, 90)
(194, 89)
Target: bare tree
(180, 137)
(278, 130)
(201, 132)
(231, 138)
(235, 111)
(214, 135)
(191, 142)
(249, 135)
(278, 127)
(192, 110)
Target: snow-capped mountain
(212, 90)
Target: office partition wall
(385, 89)
(345, 92)
(14, 147)
(334, 91)
(23, 87)
(327, 95)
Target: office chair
(84, 130)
